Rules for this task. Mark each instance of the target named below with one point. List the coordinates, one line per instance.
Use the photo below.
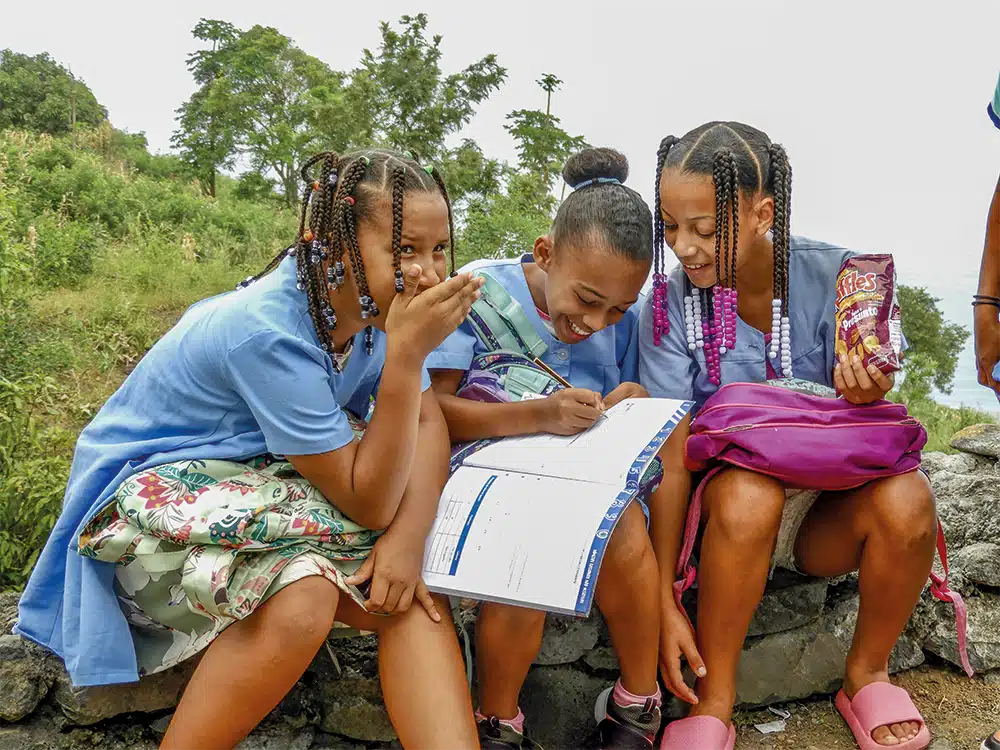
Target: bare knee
(629, 548)
(302, 612)
(516, 622)
(745, 507)
(902, 509)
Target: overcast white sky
(880, 104)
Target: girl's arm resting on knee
(366, 478)
(396, 562)
(475, 420)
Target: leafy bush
(34, 465)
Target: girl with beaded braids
(571, 303)
(229, 499)
(749, 302)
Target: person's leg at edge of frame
(885, 530)
(628, 596)
(274, 646)
(741, 516)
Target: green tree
(39, 94)
(207, 132)
(934, 344)
(400, 97)
(259, 98)
(505, 222)
(542, 145)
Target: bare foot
(890, 734)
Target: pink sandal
(698, 733)
(880, 704)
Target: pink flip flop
(880, 704)
(698, 733)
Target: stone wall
(796, 648)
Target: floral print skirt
(201, 544)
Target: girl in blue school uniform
(571, 301)
(723, 207)
(226, 502)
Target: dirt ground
(958, 711)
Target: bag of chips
(867, 313)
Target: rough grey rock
(967, 499)
(558, 703)
(810, 659)
(566, 639)
(979, 563)
(351, 701)
(601, 659)
(325, 741)
(27, 672)
(933, 626)
(981, 439)
(789, 602)
(43, 731)
(89, 705)
(278, 736)
(8, 611)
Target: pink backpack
(807, 441)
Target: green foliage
(506, 224)
(940, 421)
(37, 93)
(934, 343)
(34, 464)
(400, 97)
(542, 146)
(253, 186)
(257, 97)
(207, 136)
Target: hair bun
(592, 163)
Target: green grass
(942, 422)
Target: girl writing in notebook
(223, 499)
(781, 291)
(570, 303)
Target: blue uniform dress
(600, 363)
(670, 370)
(240, 375)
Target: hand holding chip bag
(869, 323)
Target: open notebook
(526, 520)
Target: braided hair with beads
(341, 191)
(742, 161)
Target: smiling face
(424, 242)
(687, 207)
(588, 288)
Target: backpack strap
(940, 590)
(500, 322)
(686, 572)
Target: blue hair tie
(597, 181)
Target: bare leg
(742, 516)
(507, 641)
(628, 595)
(423, 680)
(886, 530)
(250, 667)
